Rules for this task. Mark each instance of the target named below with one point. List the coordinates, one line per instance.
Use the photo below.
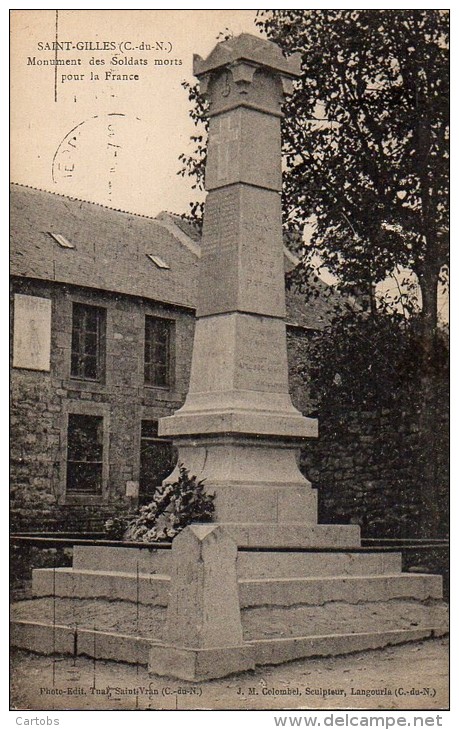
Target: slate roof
(111, 248)
(110, 252)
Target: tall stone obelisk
(238, 428)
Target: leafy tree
(193, 165)
(375, 171)
(365, 143)
(366, 369)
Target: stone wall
(40, 402)
(368, 467)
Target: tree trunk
(428, 282)
(428, 403)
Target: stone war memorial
(264, 583)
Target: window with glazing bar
(88, 342)
(84, 454)
(158, 334)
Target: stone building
(103, 307)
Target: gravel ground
(122, 616)
(411, 677)
(117, 616)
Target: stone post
(203, 630)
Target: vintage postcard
(229, 352)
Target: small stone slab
(198, 665)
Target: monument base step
(292, 535)
(153, 590)
(145, 559)
(299, 564)
(54, 639)
(348, 589)
(143, 588)
(261, 621)
(289, 603)
(250, 564)
(119, 617)
(337, 616)
(278, 651)
(199, 664)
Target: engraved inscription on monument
(220, 252)
(261, 286)
(263, 366)
(220, 226)
(32, 332)
(223, 142)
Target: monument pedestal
(205, 609)
(204, 631)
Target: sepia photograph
(229, 360)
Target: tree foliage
(193, 165)
(374, 170)
(382, 457)
(369, 363)
(365, 143)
